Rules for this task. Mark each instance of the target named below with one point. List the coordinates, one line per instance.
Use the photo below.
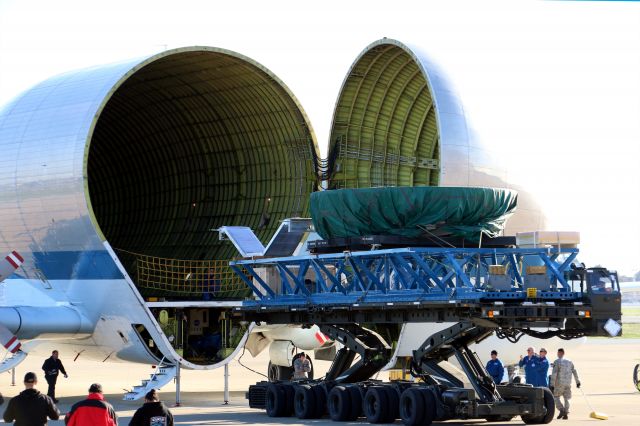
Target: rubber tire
(321, 400)
(275, 400)
(339, 404)
(304, 402)
(393, 408)
(376, 405)
(277, 372)
(412, 407)
(636, 376)
(549, 404)
(356, 402)
(429, 406)
(289, 392)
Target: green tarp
(409, 211)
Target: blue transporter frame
(406, 275)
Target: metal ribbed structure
(385, 131)
(398, 121)
(193, 141)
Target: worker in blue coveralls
(530, 364)
(495, 368)
(542, 370)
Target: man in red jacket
(93, 411)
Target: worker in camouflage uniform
(301, 366)
(560, 383)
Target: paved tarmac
(605, 367)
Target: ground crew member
(152, 413)
(93, 411)
(560, 382)
(301, 366)
(530, 364)
(31, 407)
(495, 367)
(542, 370)
(52, 367)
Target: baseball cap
(30, 377)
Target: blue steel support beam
(513, 262)
(459, 273)
(429, 271)
(255, 290)
(404, 275)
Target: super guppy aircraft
(113, 180)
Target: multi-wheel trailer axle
(347, 392)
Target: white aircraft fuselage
(146, 157)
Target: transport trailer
(354, 296)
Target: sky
(554, 86)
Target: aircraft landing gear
(279, 373)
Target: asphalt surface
(605, 367)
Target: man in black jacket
(30, 407)
(52, 367)
(152, 413)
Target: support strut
(455, 341)
(374, 353)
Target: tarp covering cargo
(412, 211)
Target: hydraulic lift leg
(493, 402)
(374, 353)
(454, 341)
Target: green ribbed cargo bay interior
(194, 141)
(384, 131)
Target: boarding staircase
(162, 376)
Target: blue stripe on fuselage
(77, 265)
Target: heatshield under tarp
(412, 211)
